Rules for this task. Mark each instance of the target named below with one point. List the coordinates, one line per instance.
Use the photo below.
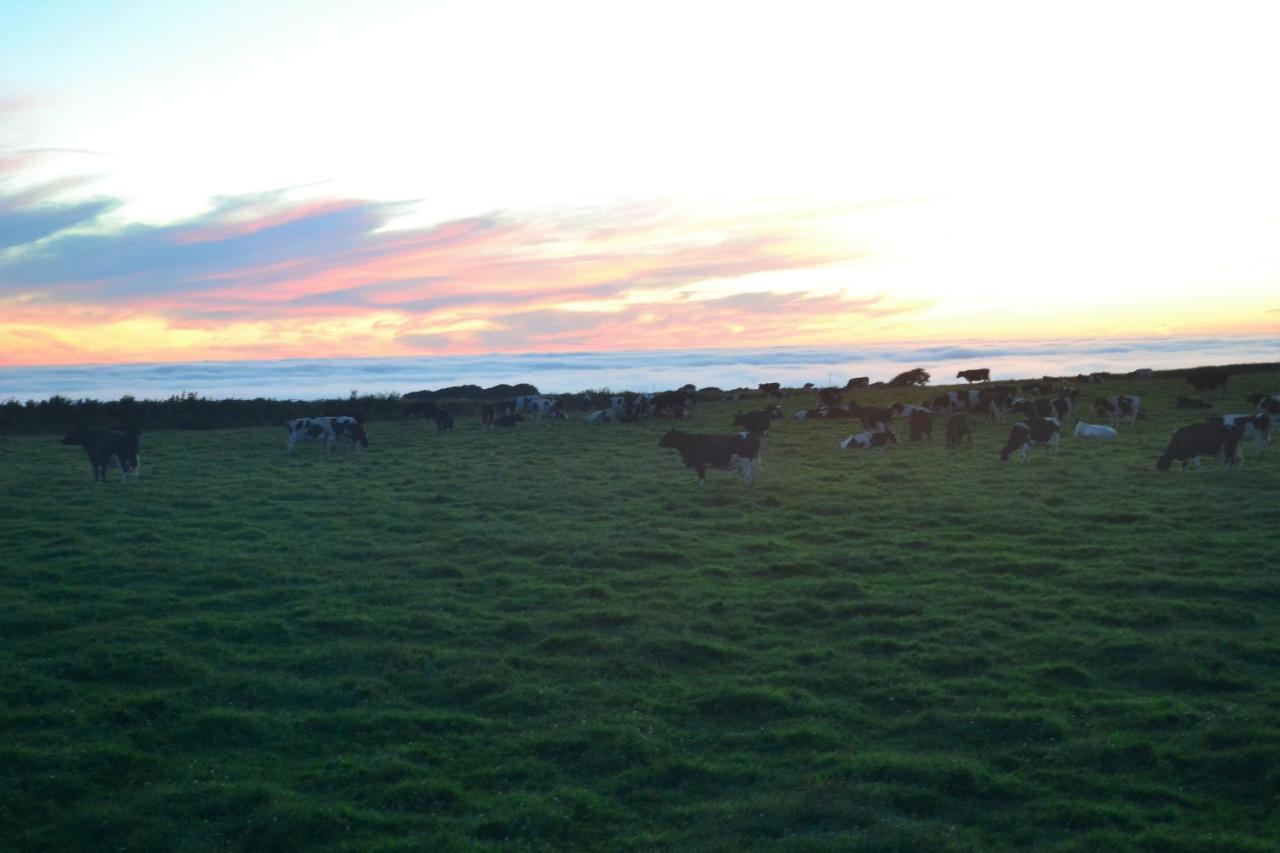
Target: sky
(239, 181)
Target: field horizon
(553, 638)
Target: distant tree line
(189, 410)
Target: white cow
(538, 407)
(1098, 432)
(331, 430)
(871, 439)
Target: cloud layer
(266, 275)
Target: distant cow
(1191, 403)
(538, 406)
(734, 452)
(1097, 432)
(1036, 432)
(1208, 379)
(870, 440)
(600, 416)
(921, 423)
(330, 430)
(490, 413)
(675, 404)
(982, 375)
(106, 447)
(958, 430)
(757, 422)
(1120, 409)
(1059, 409)
(424, 409)
(1208, 439)
(444, 421)
(857, 382)
(1142, 373)
(828, 396)
(770, 389)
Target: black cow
(957, 430)
(857, 382)
(1036, 432)
(1207, 439)
(982, 375)
(734, 452)
(444, 421)
(508, 420)
(770, 389)
(675, 404)
(757, 422)
(828, 396)
(921, 423)
(106, 447)
(1208, 378)
(1191, 403)
(426, 409)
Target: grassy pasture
(553, 638)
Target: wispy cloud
(264, 275)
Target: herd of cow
(1044, 418)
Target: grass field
(553, 638)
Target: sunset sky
(244, 180)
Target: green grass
(553, 638)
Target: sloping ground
(553, 638)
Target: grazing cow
(959, 401)
(444, 421)
(734, 452)
(958, 429)
(630, 406)
(1059, 409)
(770, 389)
(996, 402)
(1036, 432)
(106, 447)
(875, 418)
(1256, 426)
(601, 416)
(1095, 431)
(1142, 373)
(857, 382)
(757, 422)
(490, 413)
(1208, 379)
(828, 396)
(869, 440)
(506, 421)
(921, 423)
(1121, 409)
(983, 375)
(425, 409)
(330, 430)
(1206, 439)
(1191, 403)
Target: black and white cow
(490, 413)
(1059, 409)
(1189, 443)
(958, 430)
(996, 402)
(675, 404)
(1121, 409)
(107, 447)
(1269, 404)
(629, 406)
(981, 375)
(1256, 426)
(757, 422)
(330, 430)
(869, 440)
(734, 452)
(1036, 432)
(538, 407)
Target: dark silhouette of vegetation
(919, 376)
